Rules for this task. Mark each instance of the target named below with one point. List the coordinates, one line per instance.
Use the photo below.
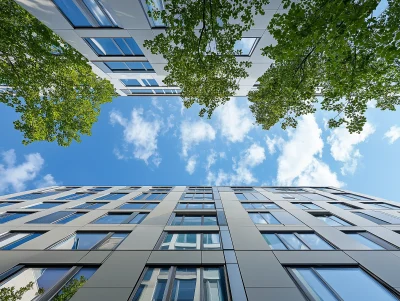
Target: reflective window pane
(138, 218)
(315, 242)
(354, 284)
(72, 286)
(153, 284)
(365, 241)
(69, 218)
(270, 218)
(185, 284)
(9, 216)
(214, 286)
(257, 218)
(44, 205)
(12, 240)
(274, 242)
(132, 206)
(292, 242)
(73, 13)
(211, 241)
(245, 45)
(192, 220)
(113, 242)
(112, 219)
(80, 241)
(89, 206)
(210, 220)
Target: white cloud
(139, 132)
(211, 159)
(192, 133)
(274, 144)
(191, 164)
(343, 146)
(156, 104)
(234, 121)
(392, 134)
(242, 173)
(299, 162)
(47, 181)
(15, 177)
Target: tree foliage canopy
(50, 83)
(341, 48)
(198, 45)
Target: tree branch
(202, 30)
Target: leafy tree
(10, 294)
(198, 45)
(341, 48)
(51, 84)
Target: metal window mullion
(105, 13)
(116, 45)
(283, 241)
(96, 246)
(378, 241)
(169, 284)
(327, 284)
(131, 217)
(10, 272)
(86, 12)
(61, 241)
(161, 240)
(123, 39)
(52, 292)
(202, 296)
(299, 238)
(202, 220)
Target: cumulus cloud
(274, 144)
(192, 133)
(140, 132)
(212, 158)
(392, 134)
(46, 181)
(156, 104)
(299, 162)
(191, 164)
(343, 146)
(15, 177)
(242, 173)
(234, 121)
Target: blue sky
(155, 141)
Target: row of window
(183, 283)
(76, 196)
(282, 240)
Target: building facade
(111, 33)
(200, 244)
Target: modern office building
(200, 244)
(111, 33)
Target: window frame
(171, 277)
(149, 194)
(380, 205)
(253, 47)
(16, 212)
(351, 207)
(304, 205)
(96, 246)
(88, 41)
(131, 216)
(102, 197)
(57, 287)
(375, 239)
(60, 219)
(260, 202)
(32, 206)
(188, 203)
(3, 236)
(165, 233)
(306, 292)
(328, 214)
(183, 196)
(129, 70)
(146, 204)
(296, 233)
(202, 215)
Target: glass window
(46, 205)
(75, 12)
(112, 196)
(307, 206)
(197, 196)
(245, 46)
(33, 196)
(240, 196)
(194, 220)
(9, 216)
(332, 220)
(75, 196)
(325, 283)
(133, 206)
(4, 204)
(89, 206)
(138, 218)
(371, 241)
(352, 197)
(151, 196)
(257, 218)
(296, 241)
(186, 284)
(114, 46)
(382, 205)
(87, 241)
(260, 206)
(371, 218)
(11, 240)
(131, 82)
(344, 206)
(60, 217)
(209, 220)
(112, 219)
(44, 279)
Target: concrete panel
(274, 294)
(262, 269)
(384, 264)
(141, 238)
(313, 257)
(212, 257)
(121, 269)
(307, 218)
(175, 257)
(227, 196)
(102, 294)
(95, 257)
(161, 214)
(248, 238)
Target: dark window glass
(46, 205)
(89, 206)
(4, 204)
(371, 218)
(112, 219)
(69, 218)
(112, 196)
(9, 216)
(332, 220)
(80, 241)
(75, 196)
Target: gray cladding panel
(313, 257)
(274, 294)
(175, 257)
